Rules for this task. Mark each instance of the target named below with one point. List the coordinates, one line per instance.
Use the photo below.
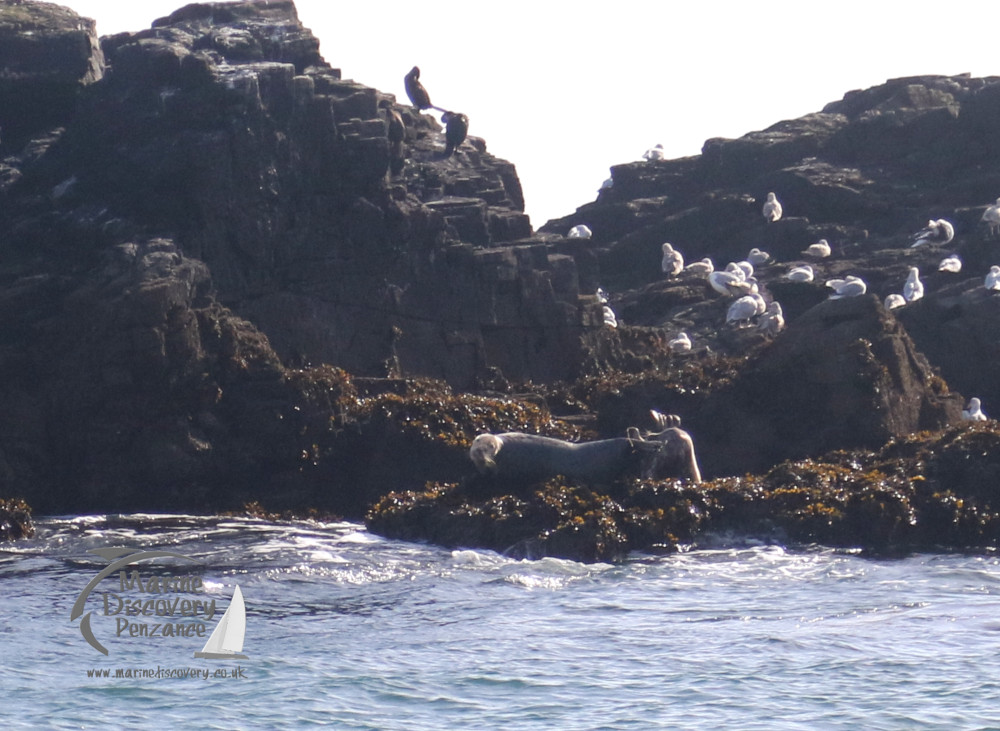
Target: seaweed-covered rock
(15, 520)
(555, 520)
(930, 491)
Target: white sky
(566, 89)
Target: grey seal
(514, 455)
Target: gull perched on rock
(992, 282)
(802, 273)
(705, 266)
(747, 286)
(950, 264)
(850, 286)
(991, 217)
(609, 317)
(758, 257)
(734, 279)
(726, 282)
(914, 288)
(680, 344)
(580, 231)
(819, 250)
(654, 153)
(745, 309)
(894, 300)
(746, 266)
(772, 208)
(974, 411)
(772, 321)
(935, 232)
(673, 261)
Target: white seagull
(745, 309)
(992, 282)
(991, 217)
(758, 257)
(609, 317)
(705, 266)
(746, 266)
(772, 208)
(914, 288)
(894, 300)
(580, 231)
(802, 273)
(935, 232)
(950, 264)
(747, 286)
(743, 283)
(772, 321)
(726, 282)
(820, 250)
(722, 282)
(680, 344)
(654, 153)
(974, 411)
(850, 286)
(673, 261)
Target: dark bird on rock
(396, 131)
(416, 91)
(455, 130)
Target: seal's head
(483, 451)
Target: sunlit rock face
(47, 55)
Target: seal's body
(532, 457)
(514, 455)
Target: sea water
(348, 630)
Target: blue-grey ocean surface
(356, 632)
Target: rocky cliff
(221, 282)
(190, 210)
(865, 174)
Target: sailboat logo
(226, 641)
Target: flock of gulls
(751, 309)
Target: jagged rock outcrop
(865, 173)
(843, 374)
(206, 215)
(48, 54)
(223, 128)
